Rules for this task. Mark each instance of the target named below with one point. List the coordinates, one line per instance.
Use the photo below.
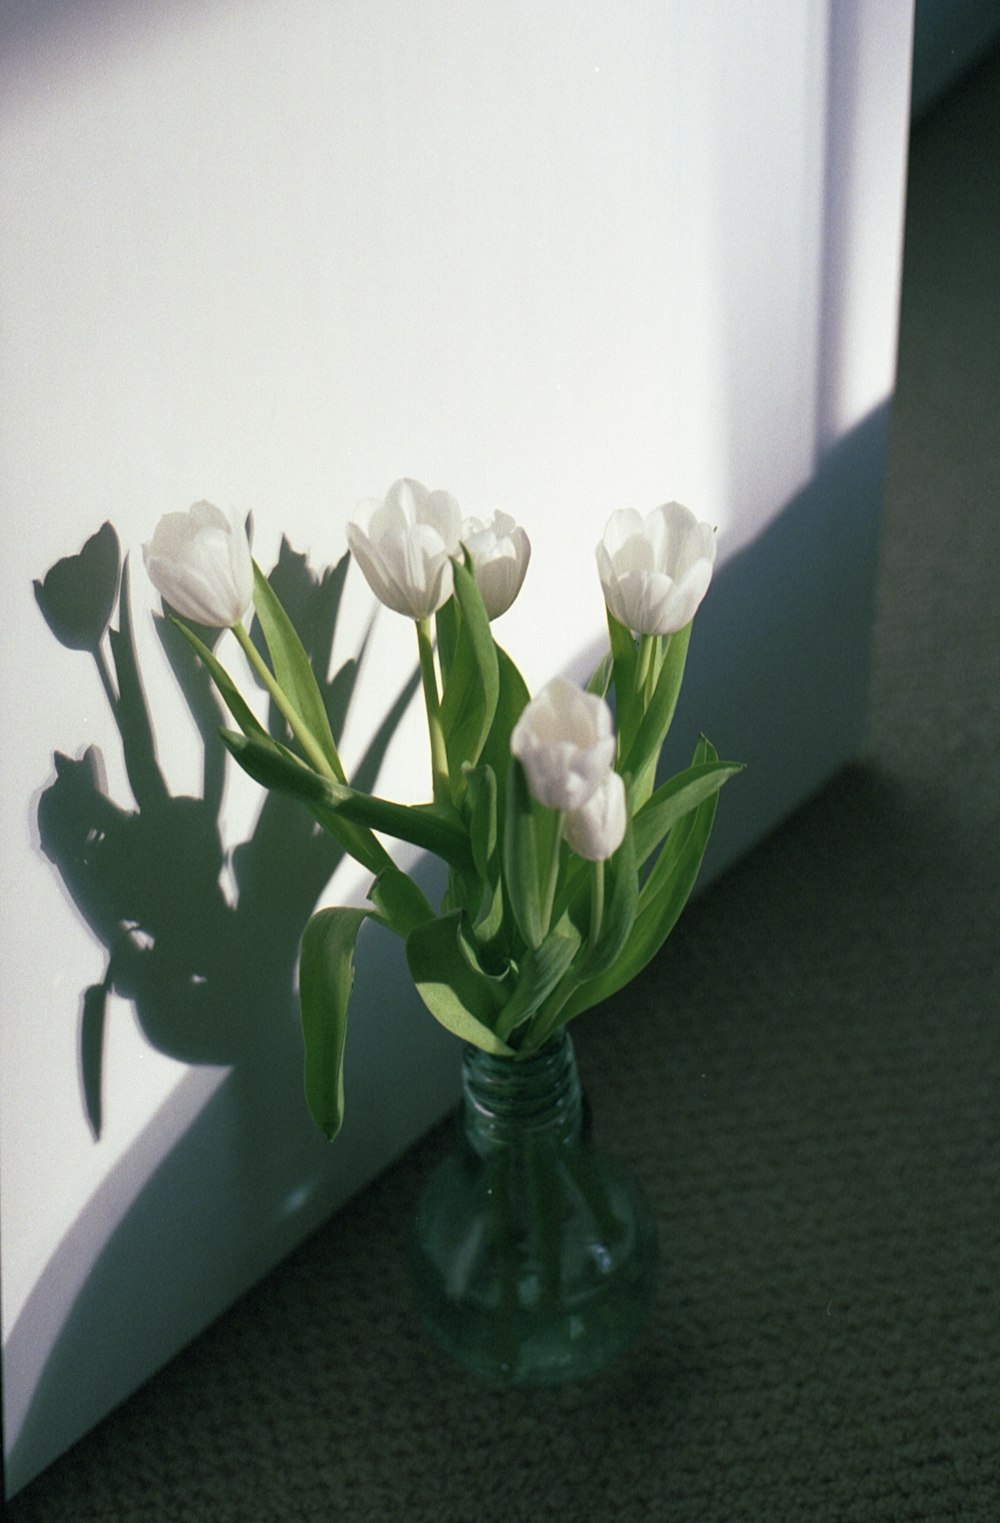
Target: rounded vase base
(529, 1304)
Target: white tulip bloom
(200, 562)
(597, 828)
(500, 552)
(655, 571)
(565, 742)
(404, 547)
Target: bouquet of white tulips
(567, 866)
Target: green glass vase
(534, 1256)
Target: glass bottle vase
(534, 1255)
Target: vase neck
(507, 1100)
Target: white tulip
(404, 547)
(565, 742)
(655, 571)
(597, 828)
(200, 562)
(500, 552)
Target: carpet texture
(806, 1081)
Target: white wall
(558, 259)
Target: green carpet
(806, 1081)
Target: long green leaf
(291, 667)
(677, 841)
(446, 629)
(676, 871)
(643, 753)
(528, 844)
(676, 798)
(274, 766)
(473, 686)
(359, 843)
(488, 923)
(481, 807)
(401, 902)
(326, 974)
(430, 826)
(622, 888)
(457, 992)
(487, 904)
(624, 658)
(511, 702)
(496, 753)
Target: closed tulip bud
(597, 828)
(200, 562)
(404, 547)
(500, 552)
(565, 742)
(655, 571)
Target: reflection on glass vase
(534, 1256)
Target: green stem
(643, 666)
(652, 651)
(304, 737)
(662, 643)
(596, 903)
(553, 878)
(432, 703)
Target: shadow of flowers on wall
(149, 880)
(222, 1182)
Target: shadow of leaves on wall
(149, 881)
(220, 1183)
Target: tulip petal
(404, 547)
(655, 571)
(200, 563)
(442, 513)
(565, 742)
(500, 552)
(373, 569)
(597, 828)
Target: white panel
(557, 258)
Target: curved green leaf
(641, 756)
(624, 659)
(432, 827)
(486, 903)
(446, 631)
(274, 766)
(291, 667)
(513, 698)
(540, 973)
(457, 992)
(676, 798)
(472, 689)
(401, 902)
(530, 834)
(661, 900)
(481, 807)
(326, 974)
